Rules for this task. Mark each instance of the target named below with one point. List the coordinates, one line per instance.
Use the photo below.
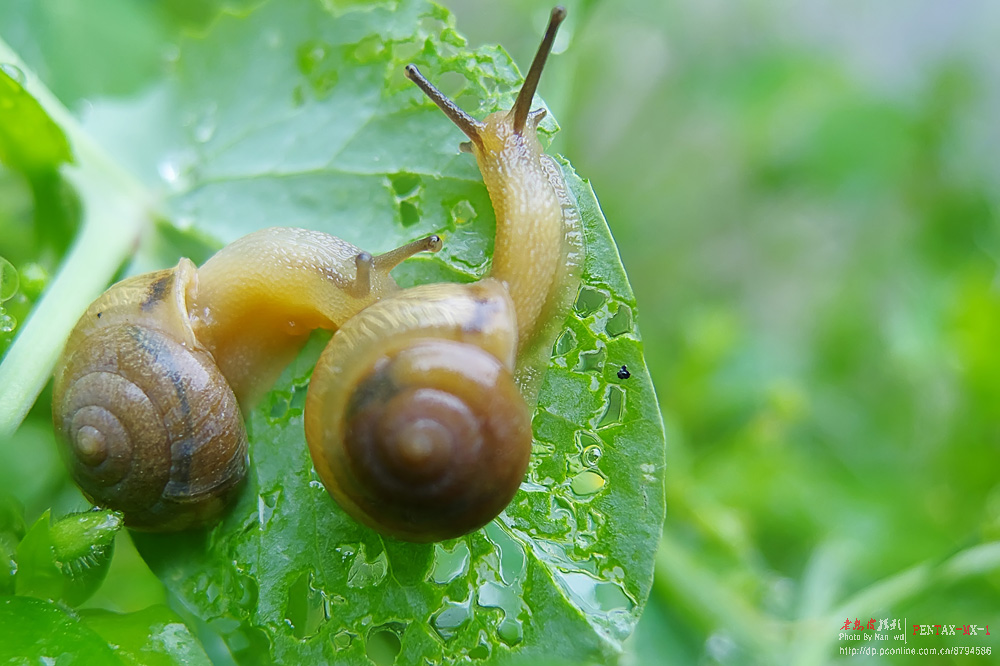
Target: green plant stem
(115, 211)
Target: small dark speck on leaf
(624, 373)
(99, 315)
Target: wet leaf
(298, 114)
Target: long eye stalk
(522, 107)
(465, 122)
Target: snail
(427, 395)
(418, 413)
(539, 247)
(148, 391)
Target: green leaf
(298, 114)
(292, 116)
(154, 636)
(42, 632)
(38, 631)
(68, 559)
(29, 140)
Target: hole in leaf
(383, 644)
(589, 301)
(621, 322)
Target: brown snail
(539, 246)
(418, 414)
(148, 391)
(424, 435)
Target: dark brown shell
(414, 421)
(148, 424)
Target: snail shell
(149, 389)
(413, 419)
(151, 424)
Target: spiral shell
(150, 426)
(414, 421)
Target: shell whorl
(413, 418)
(151, 427)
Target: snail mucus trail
(418, 414)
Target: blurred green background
(805, 198)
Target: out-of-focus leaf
(154, 636)
(29, 141)
(38, 631)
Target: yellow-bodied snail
(418, 414)
(147, 393)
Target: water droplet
(342, 639)
(204, 127)
(591, 455)
(481, 651)
(305, 610)
(589, 301)
(7, 322)
(450, 618)
(310, 54)
(15, 73)
(9, 280)
(621, 322)
(366, 573)
(615, 407)
(449, 565)
(265, 507)
(566, 343)
(587, 483)
(507, 599)
(369, 49)
(174, 173)
(595, 595)
(510, 632)
(462, 212)
(591, 361)
(316, 484)
(512, 556)
(383, 644)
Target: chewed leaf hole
(621, 322)
(305, 611)
(589, 301)
(383, 644)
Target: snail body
(147, 394)
(539, 248)
(418, 414)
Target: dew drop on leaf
(365, 573)
(462, 212)
(14, 72)
(342, 639)
(8, 280)
(449, 564)
(592, 455)
(450, 618)
(587, 483)
(7, 322)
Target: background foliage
(806, 200)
